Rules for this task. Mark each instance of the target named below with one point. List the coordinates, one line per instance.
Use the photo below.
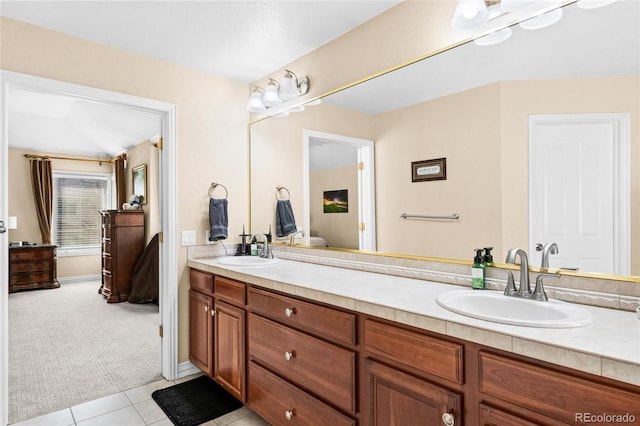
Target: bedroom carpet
(68, 346)
(195, 402)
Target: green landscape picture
(336, 201)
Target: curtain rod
(52, 157)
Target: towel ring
(213, 187)
(278, 189)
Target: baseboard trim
(187, 369)
(79, 278)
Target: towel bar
(213, 187)
(454, 216)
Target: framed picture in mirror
(429, 170)
(139, 180)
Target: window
(77, 198)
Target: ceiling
(242, 40)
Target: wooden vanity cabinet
(305, 352)
(201, 330)
(392, 395)
(309, 363)
(217, 330)
(229, 349)
(553, 395)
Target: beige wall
(211, 122)
(337, 229)
(433, 130)
(22, 206)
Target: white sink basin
(246, 261)
(496, 307)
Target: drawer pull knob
(289, 355)
(290, 311)
(289, 414)
(448, 419)
(213, 312)
(206, 308)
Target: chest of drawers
(32, 267)
(122, 245)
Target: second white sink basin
(246, 261)
(496, 307)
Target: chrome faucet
(524, 289)
(293, 236)
(548, 248)
(265, 251)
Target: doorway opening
(167, 321)
(349, 162)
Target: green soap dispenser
(488, 257)
(477, 271)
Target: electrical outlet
(188, 238)
(206, 237)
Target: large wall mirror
(481, 108)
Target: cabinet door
(393, 398)
(229, 348)
(201, 330)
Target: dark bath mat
(195, 402)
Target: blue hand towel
(285, 222)
(218, 219)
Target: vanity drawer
(230, 290)
(34, 254)
(325, 369)
(336, 325)
(429, 354)
(552, 393)
(280, 402)
(201, 281)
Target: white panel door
(573, 180)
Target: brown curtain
(119, 164)
(42, 183)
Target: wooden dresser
(122, 245)
(32, 267)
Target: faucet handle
(538, 292)
(511, 284)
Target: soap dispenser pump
(477, 271)
(488, 257)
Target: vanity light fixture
(255, 101)
(271, 97)
(542, 21)
(275, 93)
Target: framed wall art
(427, 170)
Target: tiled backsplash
(589, 291)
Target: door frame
(621, 127)
(168, 285)
(366, 184)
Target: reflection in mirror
(471, 105)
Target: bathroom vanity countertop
(610, 347)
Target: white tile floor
(132, 408)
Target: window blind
(77, 200)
